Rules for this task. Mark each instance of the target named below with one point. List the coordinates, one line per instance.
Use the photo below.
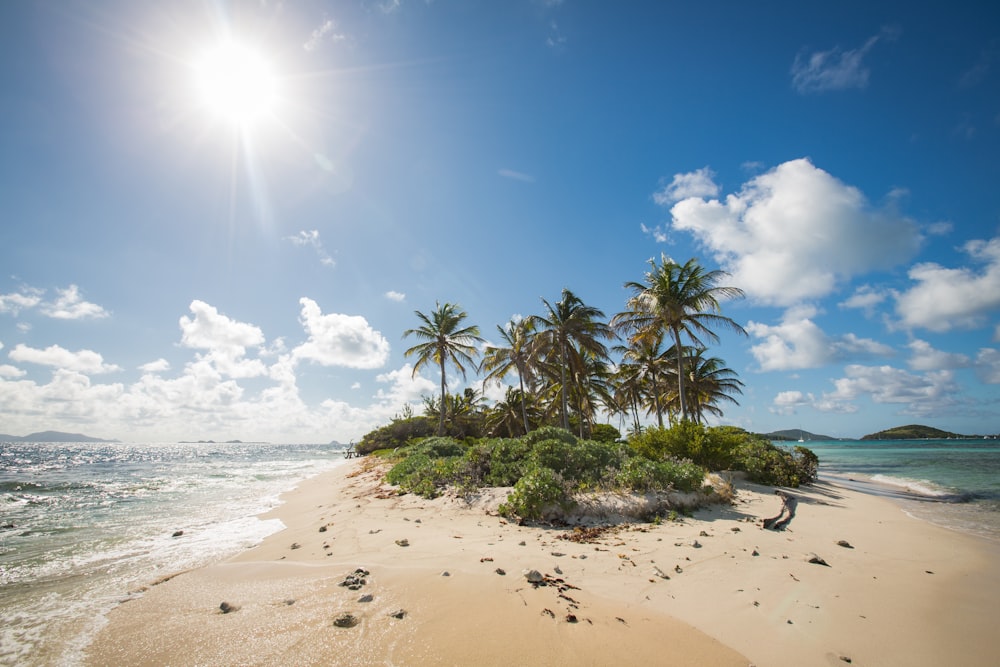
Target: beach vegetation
(398, 433)
(677, 301)
(445, 341)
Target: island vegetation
(544, 440)
(912, 432)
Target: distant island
(51, 436)
(796, 434)
(914, 432)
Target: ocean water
(84, 526)
(953, 483)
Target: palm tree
(710, 382)
(515, 355)
(645, 365)
(677, 299)
(568, 329)
(445, 340)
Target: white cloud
(70, 306)
(323, 32)
(13, 303)
(311, 238)
(926, 358)
(658, 233)
(8, 371)
(404, 387)
(835, 69)
(945, 299)
(225, 340)
(794, 232)
(988, 365)
(340, 340)
(865, 298)
(393, 295)
(786, 402)
(697, 183)
(926, 394)
(158, 366)
(516, 175)
(82, 361)
(799, 343)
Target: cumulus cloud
(698, 183)
(404, 387)
(988, 365)
(69, 305)
(949, 298)
(798, 343)
(925, 358)
(340, 340)
(15, 302)
(82, 361)
(157, 366)
(835, 69)
(794, 232)
(311, 238)
(393, 295)
(865, 298)
(658, 233)
(225, 340)
(925, 394)
(8, 371)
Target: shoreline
(447, 587)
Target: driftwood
(787, 513)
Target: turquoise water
(83, 525)
(955, 483)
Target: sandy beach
(442, 583)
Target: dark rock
(295, 545)
(845, 544)
(322, 529)
(177, 533)
(816, 560)
(366, 598)
(346, 620)
(501, 571)
(571, 618)
(227, 608)
(403, 542)
(401, 613)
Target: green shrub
(424, 475)
(713, 448)
(503, 460)
(640, 474)
(605, 433)
(767, 463)
(539, 489)
(548, 433)
(396, 434)
(439, 446)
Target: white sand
(907, 593)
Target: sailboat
(800, 436)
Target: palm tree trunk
(680, 371)
(524, 411)
(656, 401)
(443, 404)
(562, 376)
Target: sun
(237, 83)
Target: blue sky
(177, 265)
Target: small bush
(396, 434)
(538, 490)
(439, 446)
(712, 448)
(424, 475)
(641, 474)
(767, 463)
(605, 433)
